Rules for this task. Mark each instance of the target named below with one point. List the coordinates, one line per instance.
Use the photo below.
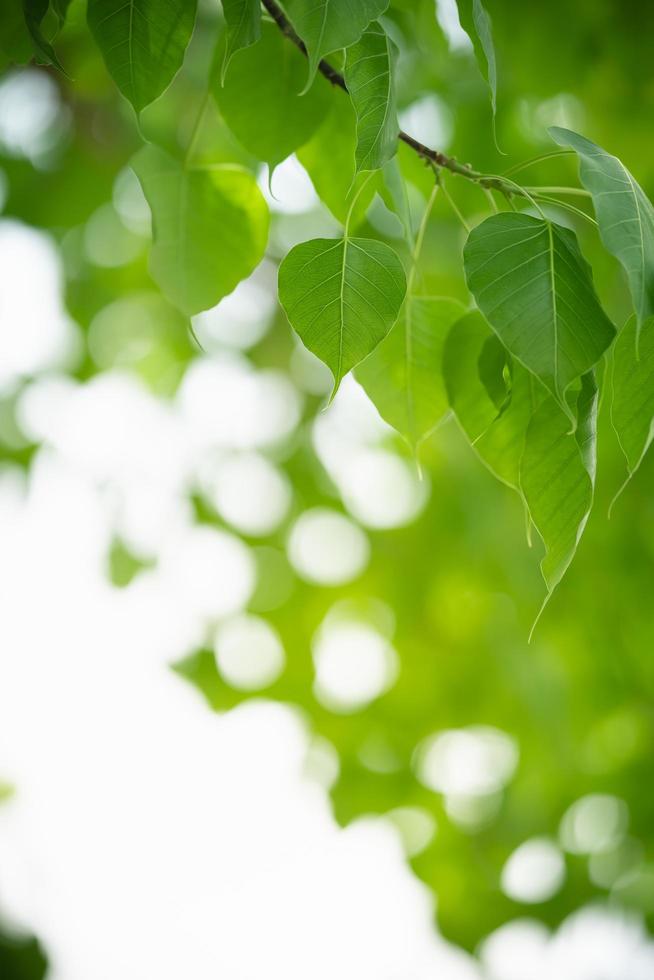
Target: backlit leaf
(534, 287)
(477, 24)
(403, 374)
(328, 25)
(370, 78)
(260, 102)
(632, 406)
(341, 296)
(624, 214)
(243, 18)
(210, 227)
(557, 476)
(142, 42)
(492, 409)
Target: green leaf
(370, 79)
(534, 287)
(210, 227)
(142, 42)
(35, 11)
(403, 374)
(632, 405)
(260, 103)
(341, 296)
(328, 158)
(557, 476)
(243, 19)
(492, 397)
(476, 22)
(328, 25)
(624, 214)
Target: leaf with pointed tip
(35, 11)
(402, 376)
(493, 409)
(210, 227)
(328, 158)
(557, 476)
(624, 214)
(243, 19)
(328, 25)
(142, 42)
(341, 296)
(370, 79)
(476, 22)
(535, 288)
(260, 103)
(632, 406)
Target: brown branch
(434, 157)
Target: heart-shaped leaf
(370, 78)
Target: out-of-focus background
(267, 706)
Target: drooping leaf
(341, 296)
(328, 158)
(370, 78)
(493, 409)
(35, 11)
(210, 227)
(328, 25)
(260, 102)
(632, 405)
(403, 374)
(142, 42)
(393, 191)
(557, 476)
(534, 287)
(243, 18)
(476, 22)
(624, 214)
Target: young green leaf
(328, 158)
(403, 374)
(260, 103)
(142, 42)
(534, 287)
(624, 214)
(632, 406)
(476, 22)
(328, 25)
(492, 397)
(35, 11)
(243, 19)
(557, 476)
(210, 227)
(370, 78)
(341, 297)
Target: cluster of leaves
(522, 370)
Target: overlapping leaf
(403, 374)
(142, 42)
(624, 214)
(534, 287)
(210, 227)
(476, 22)
(260, 102)
(341, 296)
(327, 25)
(243, 18)
(35, 12)
(370, 78)
(557, 476)
(492, 397)
(632, 406)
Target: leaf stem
(567, 207)
(450, 200)
(578, 191)
(534, 160)
(348, 217)
(420, 237)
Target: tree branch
(434, 157)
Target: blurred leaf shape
(259, 100)
(632, 404)
(403, 375)
(142, 42)
(341, 297)
(370, 79)
(624, 214)
(476, 22)
(243, 18)
(210, 227)
(535, 288)
(35, 12)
